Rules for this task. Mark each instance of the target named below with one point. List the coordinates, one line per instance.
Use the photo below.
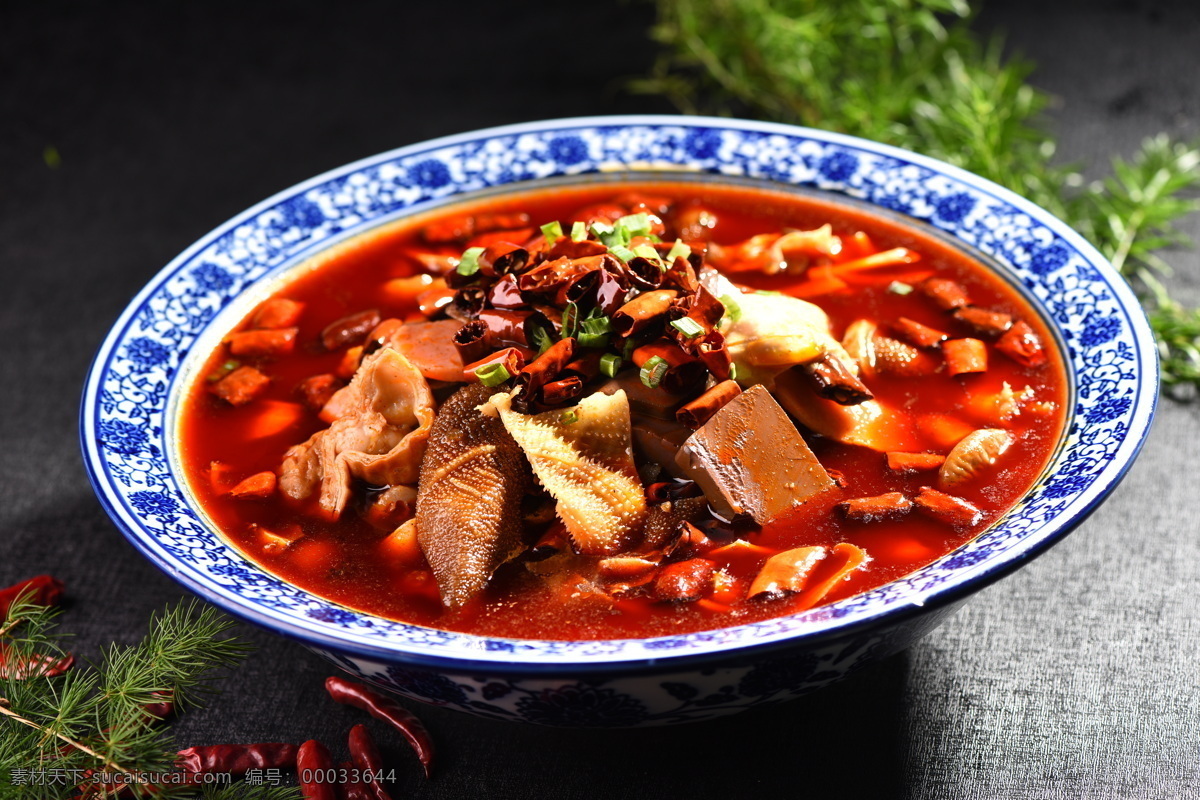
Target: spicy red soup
(622, 410)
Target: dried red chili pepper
(235, 758)
(41, 590)
(368, 761)
(36, 665)
(162, 708)
(385, 708)
(314, 766)
(352, 788)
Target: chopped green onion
(552, 231)
(570, 320)
(679, 249)
(589, 339)
(569, 417)
(627, 352)
(223, 370)
(646, 251)
(610, 364)
(541, 339)
(688, 327)
(635, 224)
(622, 252)
(733, 371)
(601, 229)
(896, 287)
(492, 374)
(599, 324)
(469, 264)
(653, 371)
(578, 231)
(732, 310)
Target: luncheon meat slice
(378, 435)
(469, 496)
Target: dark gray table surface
(1075, 677)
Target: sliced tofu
(750, 459)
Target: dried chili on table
(314, 766)
(368, 761)
(235, 759)
(384, 708)
(41, 590)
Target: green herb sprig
(93, 718)
(898, 72)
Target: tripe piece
(585, 461)
(469, 496)
(750, 459)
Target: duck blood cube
(750, 459)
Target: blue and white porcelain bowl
(134, 389)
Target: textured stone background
(1074, 678)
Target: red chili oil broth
(342, 562)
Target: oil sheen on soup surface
(621, 410)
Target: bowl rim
(809, 627)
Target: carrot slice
(349, 363)
(844, 559)
(913, 462)
(403, 292)
(275, 416)
(264, 343)
(787, 571)
(259, 485)
(819, 281)
(886, 258)
(401, 545)
(278, 312)
(965, 356)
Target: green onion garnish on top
(586, 339)
(469, 263)
(596, 324)
(610, 364)
(569, 417)
(570, 320)
(653, 371)
(678, 249)
(593, 332)
(896, 287)
(578, 231)
(646, 251)
(600, 229)
(635, 224)
(622, 252)
(732, 310)
(688, 327)
(492, 374)
(542, 339)
(552, 231)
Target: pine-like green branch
(912, 73)
(93, 718)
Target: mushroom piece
(750, 459)
(974, 453)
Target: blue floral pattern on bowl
(134, 387)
